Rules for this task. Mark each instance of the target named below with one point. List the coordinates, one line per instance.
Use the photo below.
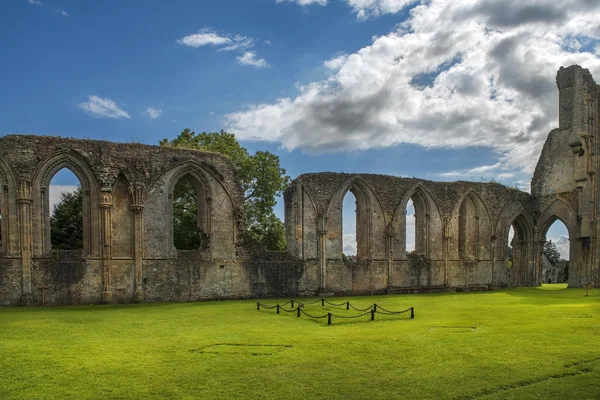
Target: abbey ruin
(462, 228)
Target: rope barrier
(360, 309)
(334, 304)
(384, 311)
(351, 316)
(373, 309)
(312, 316)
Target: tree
(66, 222)
(551, 252)
(261, 177)
(186, 234)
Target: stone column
(446, 246)
(25, 201)
(105, 205)
(323, 259)
(390, 233)
(138, 240)
(322, 232)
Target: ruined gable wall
(128, 252)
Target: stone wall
(128, 253)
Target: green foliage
(347, 259)
(213, 349)
(187, 235)
(261, 177)
(551, 252)
(66, 222)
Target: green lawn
(514, 344)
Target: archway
(555, 253)
(65, 203)
(349, 219)
(2, 222)
(410, 227)
(517, 252)
(190, 219)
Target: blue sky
(441, 90)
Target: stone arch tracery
(122, 218)
(428, 226)
(473, 229)
(7, 194)
(370, 222)
(560, 210)
(40, 196)
(520, 272)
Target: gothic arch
(472, 229)
(220, 213)
(42, 176)
(122, 218)
(428, 221)
(521, 271)
(560, 210)
(370, 226)
(300, 221)
(7, 208)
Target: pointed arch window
(468, 230)
(191, 214)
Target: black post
(347, 305)
(258, 305)
(375, 307)
(328, 318)
(277, 308)
(322, 302)
(298, 312)
(292, 303)
(373, 315)
(412, 313)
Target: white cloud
(349, 241)
(457, 73)
(35, 2)
(153, 113)
(55, 192)
(336, 63)
(226, 42)
(364, 9)
(304, 2)
(238, 42)
(204, 37)
(373, 8)
(249, 58)
(562, 245)
(64, 13)
(103, 108)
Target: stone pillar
(138, 240)
(446, 246)
(538, 248)
(105, 205)
(390, 234)
(25, 201)
(322, 232)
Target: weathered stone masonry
(128, 253)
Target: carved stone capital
(105, 199)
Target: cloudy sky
(438, 89)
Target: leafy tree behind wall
(186, 234)
(66, 222)
(551, 252)
(261, 177)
